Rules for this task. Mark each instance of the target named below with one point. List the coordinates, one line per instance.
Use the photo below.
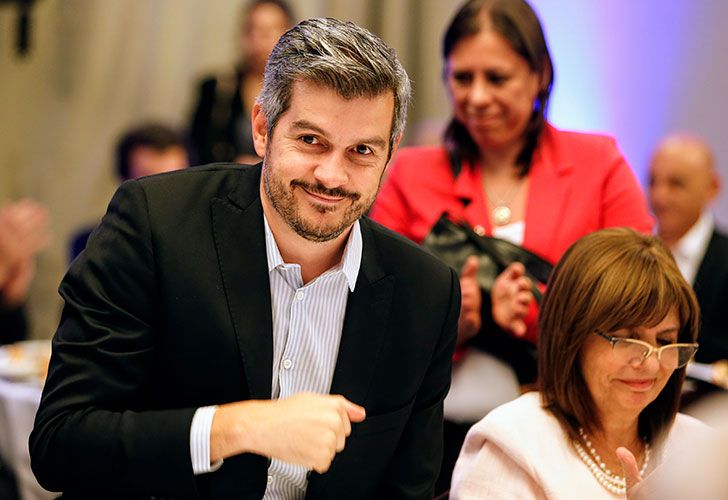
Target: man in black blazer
(711, 289)
(171, 375)
(683, 183)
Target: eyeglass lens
(670, 356)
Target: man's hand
(510, 298)
(305, 429)
(469, 321)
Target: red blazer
(579, 183)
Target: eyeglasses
(670, 356)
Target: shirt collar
(694, 243)
(350, 261)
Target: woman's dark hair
(284, 6)
(517, 22)
(611, 279)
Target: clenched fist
(305, 429)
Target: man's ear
(395, 145)
(260, 130)
(715, 186)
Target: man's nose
(331, 171)
(657, 190)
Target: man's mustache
(319, 188)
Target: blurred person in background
(683, 183)
(617, 328)
(220, 128)
(147, 149)
(506, 172)
(23, 233)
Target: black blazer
(168, 309)
(711, 288)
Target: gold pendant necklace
(501, 212)
(501, 215)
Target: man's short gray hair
(338, 55)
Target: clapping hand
(469, 321)
(23, 233)
(511, 297)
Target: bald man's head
(683, 182)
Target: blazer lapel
(468, 187)
(367, 311)
(362, 337)
(708, 265)
(240, 243)
(548, 197)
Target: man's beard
(285, 203)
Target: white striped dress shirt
(690, 250)
(307, 324)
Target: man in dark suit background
(245, 331)
(683, 183)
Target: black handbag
(454, 242)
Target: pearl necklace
(612, 482)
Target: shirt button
(479, 230)
(270, 479)
(299, 295)
(287, 364)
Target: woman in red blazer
(507, 173)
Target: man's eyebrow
(307, 125)
(375, 141)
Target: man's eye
(309, 139)
(361, 149)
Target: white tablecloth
(18, 404)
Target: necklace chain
(610, 481)
(501, 213)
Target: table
(18, 405)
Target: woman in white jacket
(618, 326)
